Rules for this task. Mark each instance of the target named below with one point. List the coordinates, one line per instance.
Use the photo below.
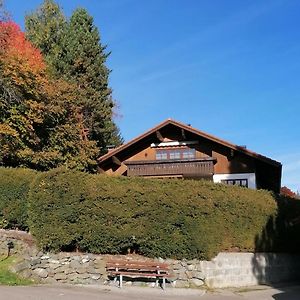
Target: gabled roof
(194, 131)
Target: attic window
(161, 154)
(189, 153)
(185, 153)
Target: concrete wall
(246, 269)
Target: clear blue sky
(230, 68)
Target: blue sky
(230, 68)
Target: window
(184, 153)
(161, 154)
(189, 153)
(240, 182)
(175, 154)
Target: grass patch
(7, 277)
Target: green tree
(84, 62)
(45, 29)
(75, 53)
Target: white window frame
(251, 178)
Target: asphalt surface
(112, 293)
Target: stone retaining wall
(90, 269)
(63, 268)
(225, 270)
(23, 243)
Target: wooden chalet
(174, 149)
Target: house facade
(174, 149)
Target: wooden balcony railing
(203, 167)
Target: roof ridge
(193, 130)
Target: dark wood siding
(183, 168)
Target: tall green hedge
(14, 188)
(69, 210)
(167, 218)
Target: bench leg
(121, 281)
(156, 282)
(164, 283)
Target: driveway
(44, 292)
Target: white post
(164, 283)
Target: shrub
(167, 218)
(68, 210)
(14, 187)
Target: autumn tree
(285, 191)
(39, 127)
(76, 53)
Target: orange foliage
(287, 192)
(13, 44)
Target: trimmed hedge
(166, 218)
(70, 210)
(14, 188)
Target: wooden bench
(137, 269)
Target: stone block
(60, 276)
(35, 261)
(198, 274)
(53, 266)
(95, 276)
(49, 280)
(189, 274)
(81, 270)
(91, 270)
(191, 267)
(181, 284)
(196, 282)
(26, 273)
(73, 276)
(42, 273)
(53, 261)
(83, 276)
(74, 264)
(20, 267)
(182, 275)
(176, 266)
(45, 257)
(60, 269)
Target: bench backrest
(137, 265)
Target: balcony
(195, 168)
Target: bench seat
(138, 269)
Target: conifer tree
(45, 29)
(76, 54)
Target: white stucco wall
(249, 176)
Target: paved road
(130, 293)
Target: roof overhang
(197, 132)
